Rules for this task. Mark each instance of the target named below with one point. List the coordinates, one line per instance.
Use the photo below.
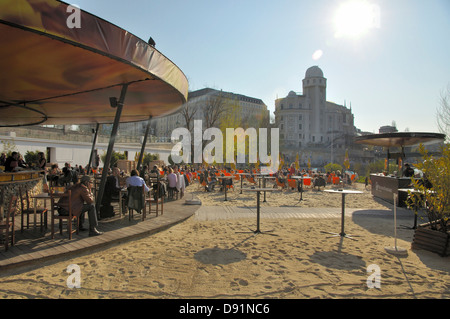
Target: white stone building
(308, 121)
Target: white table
(343, 192)
(264, 177)
(242, 177)
(301, 177)
(258, 196)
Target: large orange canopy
(51, 73)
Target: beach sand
(213, 259)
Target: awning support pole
(111, 147)
(92, 149)
(144, 142)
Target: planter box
(432, 240)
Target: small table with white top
(344, 192)
(301, 178)
(242, 178)
(258, 196)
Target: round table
(343, 192)
(264, 177)
(242, 177)
(258, 196)
(301, 184)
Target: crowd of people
(170, 180)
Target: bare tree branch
(443, 113)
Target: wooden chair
(70, 218)
(26, 210)
(136, 201)
(7, 224)
(157, 199)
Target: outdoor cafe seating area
(38, 213)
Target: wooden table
(343, 192)
(258, 196)
(44, 197)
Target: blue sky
(395, 71)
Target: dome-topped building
(314, 72)
(308, 120)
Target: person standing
(42, 162)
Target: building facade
(311, 125)
(240, 107)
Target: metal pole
(144, 142)
(111, 147)
(93, 147)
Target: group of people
(15, 162)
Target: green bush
(333, 167)
(436, 195)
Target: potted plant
(433, 193)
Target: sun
(354, 18)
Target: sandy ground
(214, 259)
(289, 197)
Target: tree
(434, 188)
(443, 113)
(214, 108)
(115, 157)
(332, 167)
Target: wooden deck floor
(34, 246)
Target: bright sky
(389, 58)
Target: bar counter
(385, 186)
(12, 177)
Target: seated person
(112, 188)
(68, 177)
(408, 171)
(82, 202)
(21, 162)
(53, 175)
(212, 182)
(172, 179)
(11, 163)
(135, 180)
(319, 181)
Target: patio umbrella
(53, 72)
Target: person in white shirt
(181, 185)
(136, 180)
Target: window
(300, 117)
(300, 127)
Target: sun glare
(354, 18)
